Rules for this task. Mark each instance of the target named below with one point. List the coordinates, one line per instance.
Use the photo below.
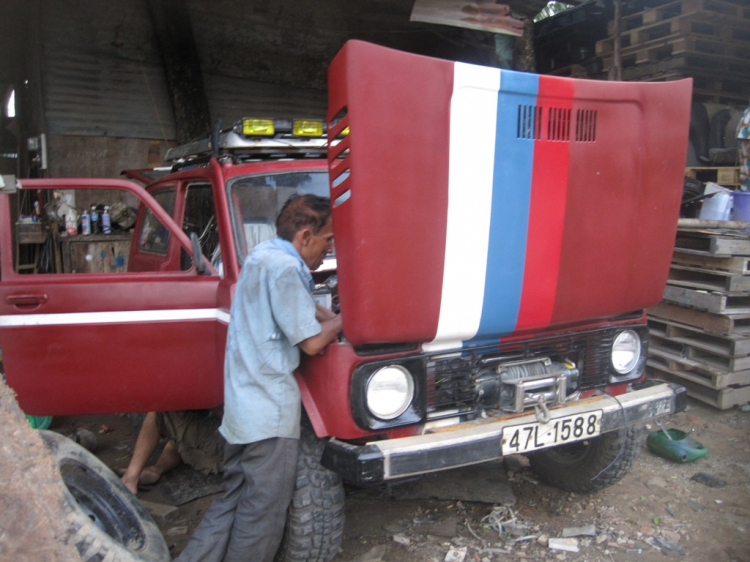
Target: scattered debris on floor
(709, 480)
(661, 510)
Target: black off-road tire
(107, 522)
(315, 524)
(587, 466)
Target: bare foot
(150, 475)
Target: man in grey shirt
(273, 316)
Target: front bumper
(481, 440)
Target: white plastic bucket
(717, 207)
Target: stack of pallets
(707, 40)
(700, 332)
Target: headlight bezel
(633, 368)
(362, 376)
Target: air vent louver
(558, 124)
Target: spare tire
(105, 519)
(591, 465)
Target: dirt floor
(658, 509)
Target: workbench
(95, 253)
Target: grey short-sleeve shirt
(273, 310)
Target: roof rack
(281, 142)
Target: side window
(200, 217)
(153, 237)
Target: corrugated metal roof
(102, 73)
(231, 99)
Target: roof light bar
(260, 136)
(307, 128)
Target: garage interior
(111, 87)
(92, 88)
(93, 95)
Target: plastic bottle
(85, 222)
(71, 224)
(106, 223)
(95, 224)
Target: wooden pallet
(716, 87)
(723, 245)
(704, 66)
(708, 280)
(694, 371)
(694, 63)
(718, 303)
(710, 349)
(683, 7)
(699, 335)
(672, 45)
(708, 322)
(735, 345)
(709, 9)
(734, 264)
(697, 23)
(679, 44)
(723, 175)
(707, 84)
(723, 398)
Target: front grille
(451, 379)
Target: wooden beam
(617, 67)
(174, 34)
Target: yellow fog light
(307, 128)
(257, 127)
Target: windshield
(257, 200)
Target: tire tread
(315, 525)
(607, 460)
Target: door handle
(26, 300)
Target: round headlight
(626, 351)
(389, 392)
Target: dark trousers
(246, 523)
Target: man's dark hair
(301, 211)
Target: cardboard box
(727, 176)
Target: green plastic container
(681, 448)
(40, 422)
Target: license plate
(558, 431)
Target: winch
(516, 385)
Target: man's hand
(331, 328)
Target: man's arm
(330, 329)
(322, 313)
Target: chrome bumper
(481, 440)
